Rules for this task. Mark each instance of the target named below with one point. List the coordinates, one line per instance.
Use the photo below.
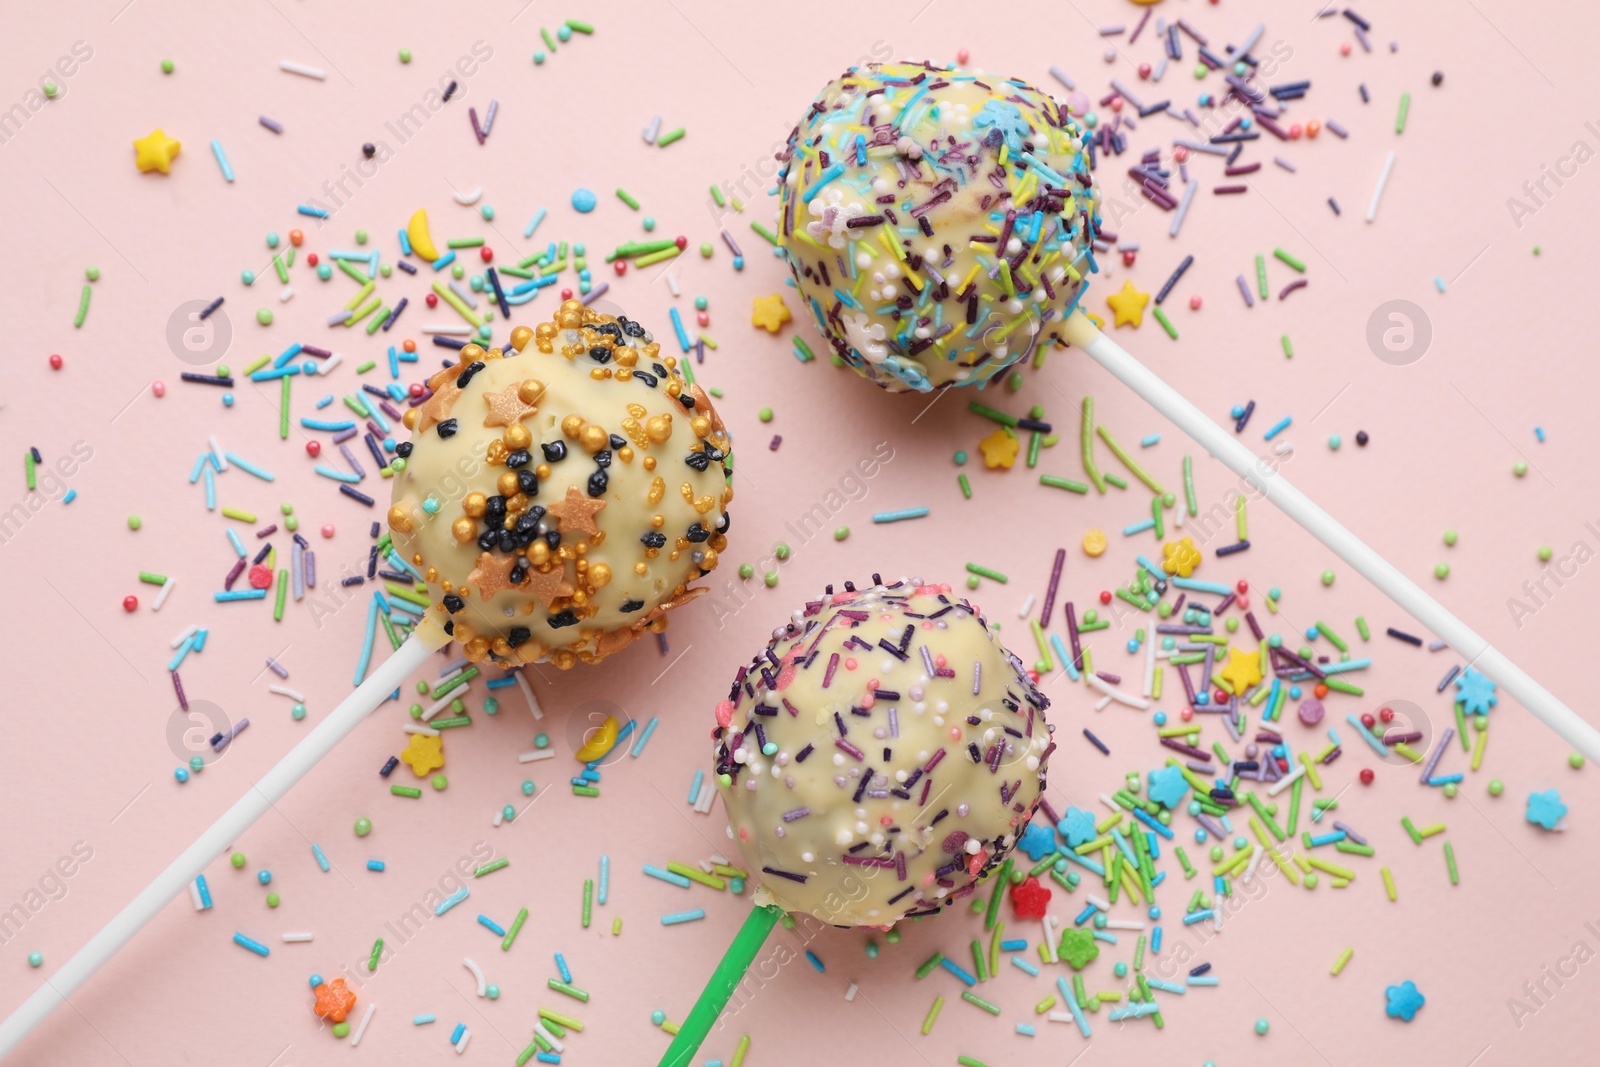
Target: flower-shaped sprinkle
(1038, 840)
(1029, 899)
(1000, 449)
(1475, 692)
(1077, 826)
(769, 312)
(1180, 557)
(832, 217)
(1403, 1000)
(334, 1000)
(865, 336)
(1006, 117)
(1546, 809)
(1078, 948)
(425, 754)
(1168, 786)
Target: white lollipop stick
(1543, 704)
(226, 830)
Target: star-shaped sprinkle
(1077, 826)
(577, 512)
(492, 573)
(1168, 786)
(1546, 809)
(1128, 305)
(1029, 899)
(1000, 449)
(549, 586)
(1243, 670)
(155, 152)
(1475, 692)
(1403, 1001)
(437, 408)
(1038, 840)
(506, 408)
(1180, 557)
(769, 312)
(334, 1000)
(1078, 948)
(425, 754)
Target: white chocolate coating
(869, 781)
(628, 507)
(937, 221)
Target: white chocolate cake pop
(559, 497)
(938, 222)
(881, 755)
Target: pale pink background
(89, 700)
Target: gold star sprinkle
(492, 574)
(577, 512)
(549, 586)
(769, 312)
(506, 408)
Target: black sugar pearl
(653, 539)
(555, 451)
(553, 538)
(648, 379)
(1362, 438)
(1438, 77)
(369, 150)
(447, 428)
(698, 460)
(403, 449)
(602, 458)
(453, 603)
(618, 442)
(488, 539)
(631, 328)
(697, 533)
(508, 541)
(600, 354)
(518, 635)
(631, 606)
(528, 482)
(495, 507)
(566, 618)
(520, 458)
(464, 379)
(519, 573)
(597, 483)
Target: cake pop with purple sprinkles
(939, 223)
(881, 755)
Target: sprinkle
(898, 516)
(669, 137)
(250, 943)
(222, 159)
(302, 70)
(1377, 192)
(683, 917)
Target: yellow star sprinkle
(1000, 449)
(1128, 305)
(1243, 670)
(769, 312)
(155, 152)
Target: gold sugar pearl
(518, 436)
(708, 561)
(497, 452)
(571, 425)
(477, 648)
(658, 521)
(700, 425)
(539, 553)
(410, 418)
(625, 356)
(594, 438)
(400, 520)
(641, 569)
(625, 454)
(659, 429)
(475, 504)
(471, 353)
(542, 470)
(599, 373)
(520, 336)
(599, 575)
(507, 483)
(431, 574)
(464, 530)
(649, 463)
(530, 390)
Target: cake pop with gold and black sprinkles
(938, 223)
(559, 496)
(881, 755)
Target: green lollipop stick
(724, 980)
